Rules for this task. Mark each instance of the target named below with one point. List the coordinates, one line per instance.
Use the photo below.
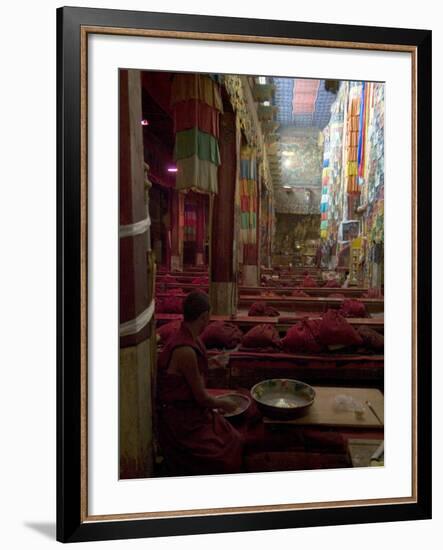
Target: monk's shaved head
(194, 305)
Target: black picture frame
(72, 524)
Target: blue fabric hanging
(360, 126)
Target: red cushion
(335, 330)
(261, 336)
(260, 309)
(308, 281)
(353, 308)
(300, 338)
(314, 326)
(170, 304)
(166, 331)
(221, 335)
(371, 338)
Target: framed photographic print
(239, 202)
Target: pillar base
(223, 298)
(250, 275)
(136, 435)
(176, 264)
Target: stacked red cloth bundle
(166, 331)
(353, 308)
(170, 304)
(200, 281)
(308, 282)
(176, 292)
(299, 293)
(168, 279)
(260, 309)
(301, 338)
(334, 330)
(372, 339)
(221, 335)
(261, 338)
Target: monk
(194, 437)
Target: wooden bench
(311, 304)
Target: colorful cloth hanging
(196, 105)
(248, 196)
(194, 113)
(194, 142)
(352, 142)
(190, 222)
(194, 173)
(196, 86)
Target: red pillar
(136, 342)
(223, 289)
(177, 236)
(200, 230)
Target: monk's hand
(226, 404)
(219, 361)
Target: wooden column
(137, 334)
(200, 231)
(223, 287)
(177, 236)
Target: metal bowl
(283, 398)
(242, 401)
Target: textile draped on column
(190, 222)
(248, 195)
(352, 141)
(325, 186)
(196, 104)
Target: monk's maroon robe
(194, 440)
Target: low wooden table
(323, 411)
(284, 322)
(361, 451)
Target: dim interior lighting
(145, 122)
(266, 103)
(172, 169)
(288, 153)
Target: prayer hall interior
(265, 194)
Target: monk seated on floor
(194, 437)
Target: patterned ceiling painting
(303, 110)
(304, 103)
